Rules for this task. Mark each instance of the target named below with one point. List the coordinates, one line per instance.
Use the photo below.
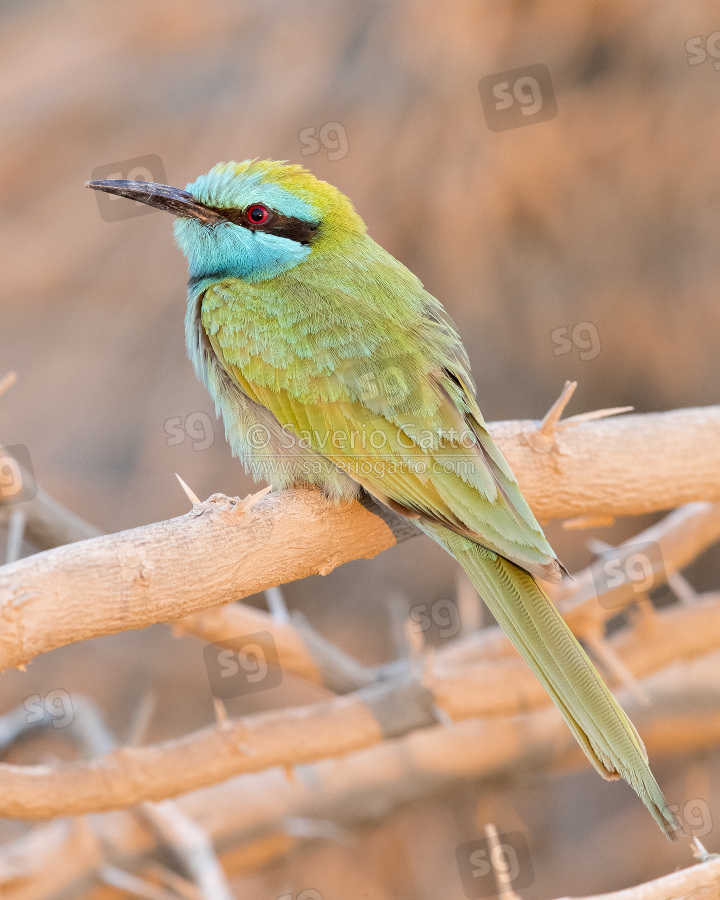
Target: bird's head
(252, 220)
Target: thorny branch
(168, 570)
(471, 677)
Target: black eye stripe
(283, 226)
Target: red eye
(257, 214)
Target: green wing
(387, 398)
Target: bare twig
(191, 846)
(131, 884)
(16, 533)
(49, 524)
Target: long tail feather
(540, 634)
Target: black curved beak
(161, 196)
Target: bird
(333, 368)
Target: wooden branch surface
(354, 789)
(494, 688)
(218, 553)
(681, 536)
(700, 882)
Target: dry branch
(168, 570)
(130, 775)
(461, 684)
(681, 536)
(215, 554)
(615, 467)
(496, 688)
(250, 811)
(301, 650)
(49, 524)
(701, 882)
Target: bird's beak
(172, 200)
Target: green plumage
(332, 366)
(350, 354)
(540, 634)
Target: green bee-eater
(332, 366)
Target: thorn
(188, 493)
(423, 666)
(221, 715)
(276, 605)
(642, 616)
(291, 775)
(582, 522)
(7, 381)
(552, 416)
(443, 718)
(682, 588)
(502, 878)
(15, 535)
(141, 719)
(250, 501)
(594, 414)
(699, 851)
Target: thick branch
(701, 882)
(585, 601)
(493, 688)
(619, 466)
(168, 570)
(356, 788)
(215, 554)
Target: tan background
(608, 214)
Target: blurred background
(567, 214)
